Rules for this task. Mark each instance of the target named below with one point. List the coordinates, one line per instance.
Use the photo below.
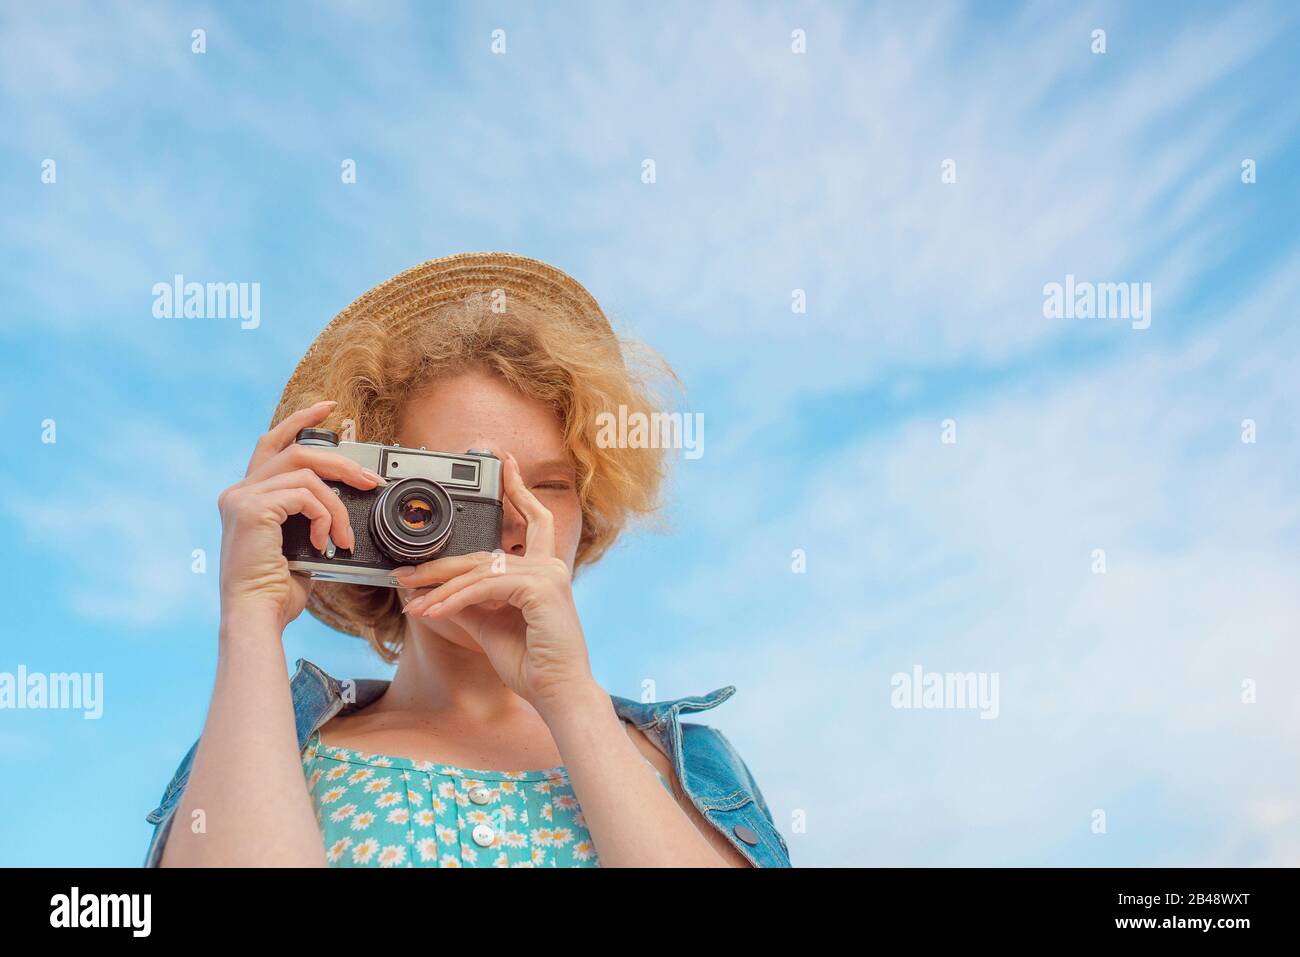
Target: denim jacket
(710, 771)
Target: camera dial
(317, 437)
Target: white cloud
(1119, 691)
(822, 172)
(122, 521)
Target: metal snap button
(483, 835)
(480, 795)
(745, 834)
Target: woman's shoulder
(710, 761)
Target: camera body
(435, 504)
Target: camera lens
(412, 519)
(416, 513)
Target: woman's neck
(435, 673)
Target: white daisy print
(337, 848)
(343, 813)
(394, 855)
(389, 811)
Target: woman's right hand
(283, 479)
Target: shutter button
(483, 835)
(479, 795)
(745, 834)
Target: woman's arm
(633, 821)
(520, 610)
(247, 778)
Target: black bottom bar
(1174, 905)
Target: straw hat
(402, 302)
(399, 304)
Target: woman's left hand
(519, 608)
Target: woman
(493, 745)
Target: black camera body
(435, 504)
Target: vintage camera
(434, 505)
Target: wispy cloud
(775, 172)
(120, 522)
(979, 556)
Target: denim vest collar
(645, 715)
(708, 768)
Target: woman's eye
(559, 486)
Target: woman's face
(478, 410)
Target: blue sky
(775, 171)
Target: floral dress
(379, 811)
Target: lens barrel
(412, 519)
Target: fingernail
(432, 608)
(327, 402)
(374, 477)
(402, 570)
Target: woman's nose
(514, 529)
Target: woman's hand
(283, 479)
(519, 608)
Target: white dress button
(480, 795)
(483, 835)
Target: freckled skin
(477, 410)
